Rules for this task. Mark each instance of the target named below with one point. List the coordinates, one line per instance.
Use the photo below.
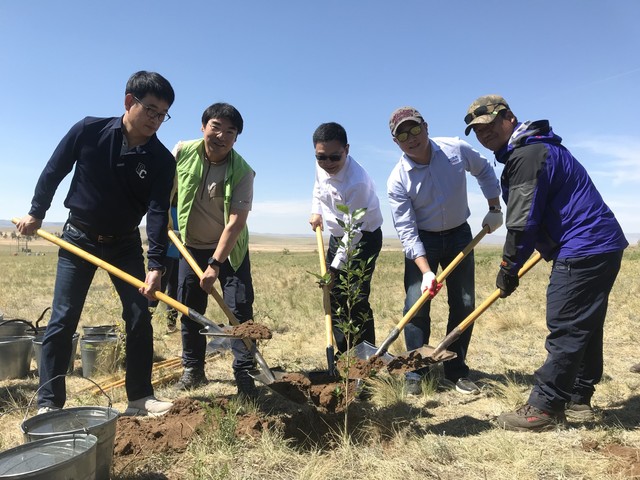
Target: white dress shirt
(352, 187)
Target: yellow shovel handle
(326, 301)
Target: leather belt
(98, 237)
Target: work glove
(493, 219)
(506, 282)
(429, 282)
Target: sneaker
(148, 406)
(467, 387)
(246, 385)
(412, 386)
(530, 419)
(192, 377)
(580, 412)
(42, 410)
(635, 368)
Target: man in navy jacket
(122, 172)
(553, 207)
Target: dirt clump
(251, 331)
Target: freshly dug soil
(251, 331)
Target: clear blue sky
(290, 65)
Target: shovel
(326, 303)
(365, 349)
(208, 325)
(456, 332)
(266, 371)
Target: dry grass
(439, 434)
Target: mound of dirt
(251, 331)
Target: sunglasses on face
(482, 110)
(414, 131)
(336, 157)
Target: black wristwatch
(162, 270)
(495, 208)
(212, 262)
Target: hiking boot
(192, 377)
(467, 387)
(580, 412)
(635, 368)
(530, 419)
(148, 406)
(246, 385)
(42, 410)
(413, 386)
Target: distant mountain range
(633, 238)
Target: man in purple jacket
(553, 207)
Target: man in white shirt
(340, 180)
(427, 192)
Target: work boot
(246, 385)
(580, 412)
(530, 419)
(192, 377)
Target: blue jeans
(73, 279)
(237, 291)
(577, 300)
(441, 248)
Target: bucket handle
(27, 322)
(41, 316)
(51, 380)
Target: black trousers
(359, 311)
(577, 299)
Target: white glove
(493, 220)
(428, 282)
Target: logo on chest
(141, 170)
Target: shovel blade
(364, 351)
(418, 358)
(294, 387)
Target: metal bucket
(98, 421)
(16, 327)
(56, 458)
(15, 357)
(37, 350)
(99, 330)
(99, 354)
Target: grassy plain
(439, 434)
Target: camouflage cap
(484, 110)
(401, 115)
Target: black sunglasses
(483, 110)
(332, 158)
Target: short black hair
(144, 83)
(223, 110)
(328, 132)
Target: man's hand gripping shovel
(366, 351)
(266, 375)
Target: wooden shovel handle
(326, 301)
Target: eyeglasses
(336, 157)
(414, 131)
(152, 113)
(483, 110)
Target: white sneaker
(42, 410)
(147, 406)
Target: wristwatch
(495, 208)
(212, 262)
(162, 270)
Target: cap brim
(408, 119)
(482, 119)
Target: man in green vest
(215, 193)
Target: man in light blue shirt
(427, 192)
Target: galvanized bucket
(15, 356)
(37, 350)
(99, 330)
(98, 421)
(99, 354)
(56, 458)
(16, 327)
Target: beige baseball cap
(401, 115)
